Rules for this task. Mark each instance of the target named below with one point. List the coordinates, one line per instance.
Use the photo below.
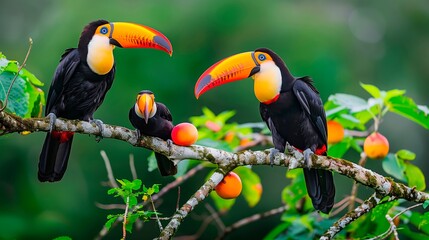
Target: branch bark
(226, 161)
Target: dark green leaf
(394, 166)
(252, 188)
(406, 107)
(415, 176)
(406, 155)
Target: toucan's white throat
(268, 82)
(100, 55)
(141, 115)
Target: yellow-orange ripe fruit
(184, 134)
(230, 187)
(335, 132)
(376, 146)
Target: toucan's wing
(65, 69)
(164, 112)
(278, 141)
(309, 99)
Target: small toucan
(290, 106)
(153, 119)
(81, 81)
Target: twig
(17, 74)
(199, 196)
(215, 216)
(124, 225)
(156, 214)
(392, 228)
(133, 167)
(251, 219)
(110, 176)
(351, 216)
(110, 206)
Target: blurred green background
(338, 43)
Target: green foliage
(26, 99)
(130, 191)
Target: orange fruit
(229, 136)
(335, 132)
(376, 145)
(184, 134)
(230, 186)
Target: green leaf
(109, 222)
(406, 155)
(415, 176)
(252, 188)
(406, 107)
(111, 191)
(25, 99)
(380, 211)
(426, 204)
(296, 190)
(371, 89)
(395, 167)
(353, 103)
(136, 184)
(393, 93)
(63, 238)
(131, 219)
(223, 205)
(339, 149)
(208, 113)
(132, 201)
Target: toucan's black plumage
(81, 81)
(298, 117)
(154, 119)
(290, 106)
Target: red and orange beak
(131, 35)
(233, 68)
(146, 106)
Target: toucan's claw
(273, 152)
(100, 126)
(138, 134)
(307, 154)
(52, 119)
(170, 145)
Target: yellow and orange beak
(233, 68)
(131, 35)
(146, 107)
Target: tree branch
(226, 161)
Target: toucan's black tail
(320, 188)
(165, 166)
(54, 156)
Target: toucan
(154, 119)
(290, 106)
(81, 81)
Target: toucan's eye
(103, 30)
(261, 57)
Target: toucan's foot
(100, 126)
(52, 119)
(170, 145)
(273, 152)
(138, 134)
(307, 154)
